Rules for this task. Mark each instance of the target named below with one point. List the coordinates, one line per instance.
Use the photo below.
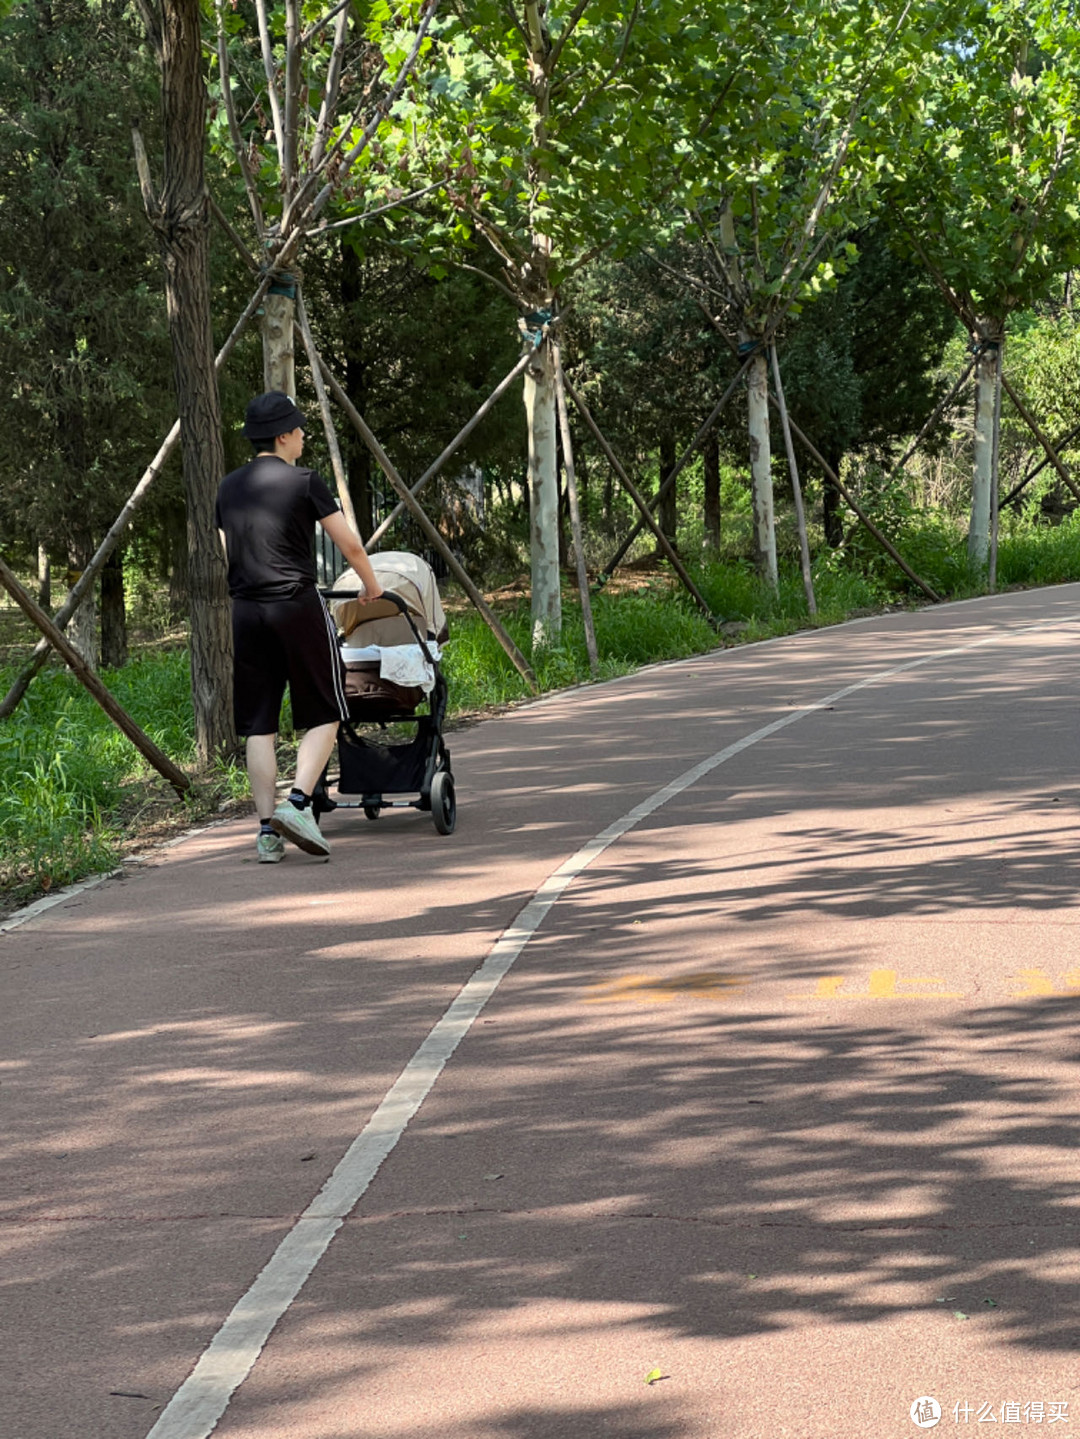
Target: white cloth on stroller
(400, 664)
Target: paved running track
(767, 1095)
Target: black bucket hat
(271, 415)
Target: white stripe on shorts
(335, 662)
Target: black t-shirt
(268, 510)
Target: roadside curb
(49, 901)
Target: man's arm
(337, 527)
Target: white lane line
(196, 1407)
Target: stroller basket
(370, 768)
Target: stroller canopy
(408, 576)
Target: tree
(990, 204)
(81, 330)
(543, 124)
(817, 107)
(181, 222)
(861, 363)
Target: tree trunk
(357, 454)
(757, 395)
(564, 513)
(983, 478)
(44, 570)
(668, 512)
(710, 456)
(832, 506)
(114, 646)
(279, 355)
(540, 400)
(182, 222)
(543, 499)
(176, 561)
(83, 624)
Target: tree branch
(325, 228)
(234, 235)
(552, 58)
(271, 80)
(328, 107)
(234, 124)
(151, 203)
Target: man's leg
(293, 818)
(313, 754)
(316, 684)
(262, 772)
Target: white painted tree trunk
(757, 396)
(44, 571)
(279, 358)
(540, 413)
(983, 477)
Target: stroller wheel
(443, 802)
(372, 811)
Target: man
(266, 512)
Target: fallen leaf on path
(493, 1176)
(959, 1314)
(992, 1303)
(653, 1375)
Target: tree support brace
(338, 465)
(646, 514)
(796, 488)
(695, 444)
(834, 479)
(119, 716)
(575, 514)
(430, 532)
(1035, 428)
(75, 597)
(1058, 446)
(458, 440)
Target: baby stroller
(391, 651)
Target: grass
(72, 789)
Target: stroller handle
(391, 595)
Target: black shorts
(285, 641)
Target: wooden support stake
(995, 497)
(356, 419)
(1035, 428)
(575, 516)
(458, 440)
(37, 660)
(939, 410)
(834, 479)
(695, 444)
(119, 716)
(1058, 445)
(796, 488)
(336, 461)
(638, 499)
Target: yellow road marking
(656, 989)
(882, 984)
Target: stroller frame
(421, 764)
